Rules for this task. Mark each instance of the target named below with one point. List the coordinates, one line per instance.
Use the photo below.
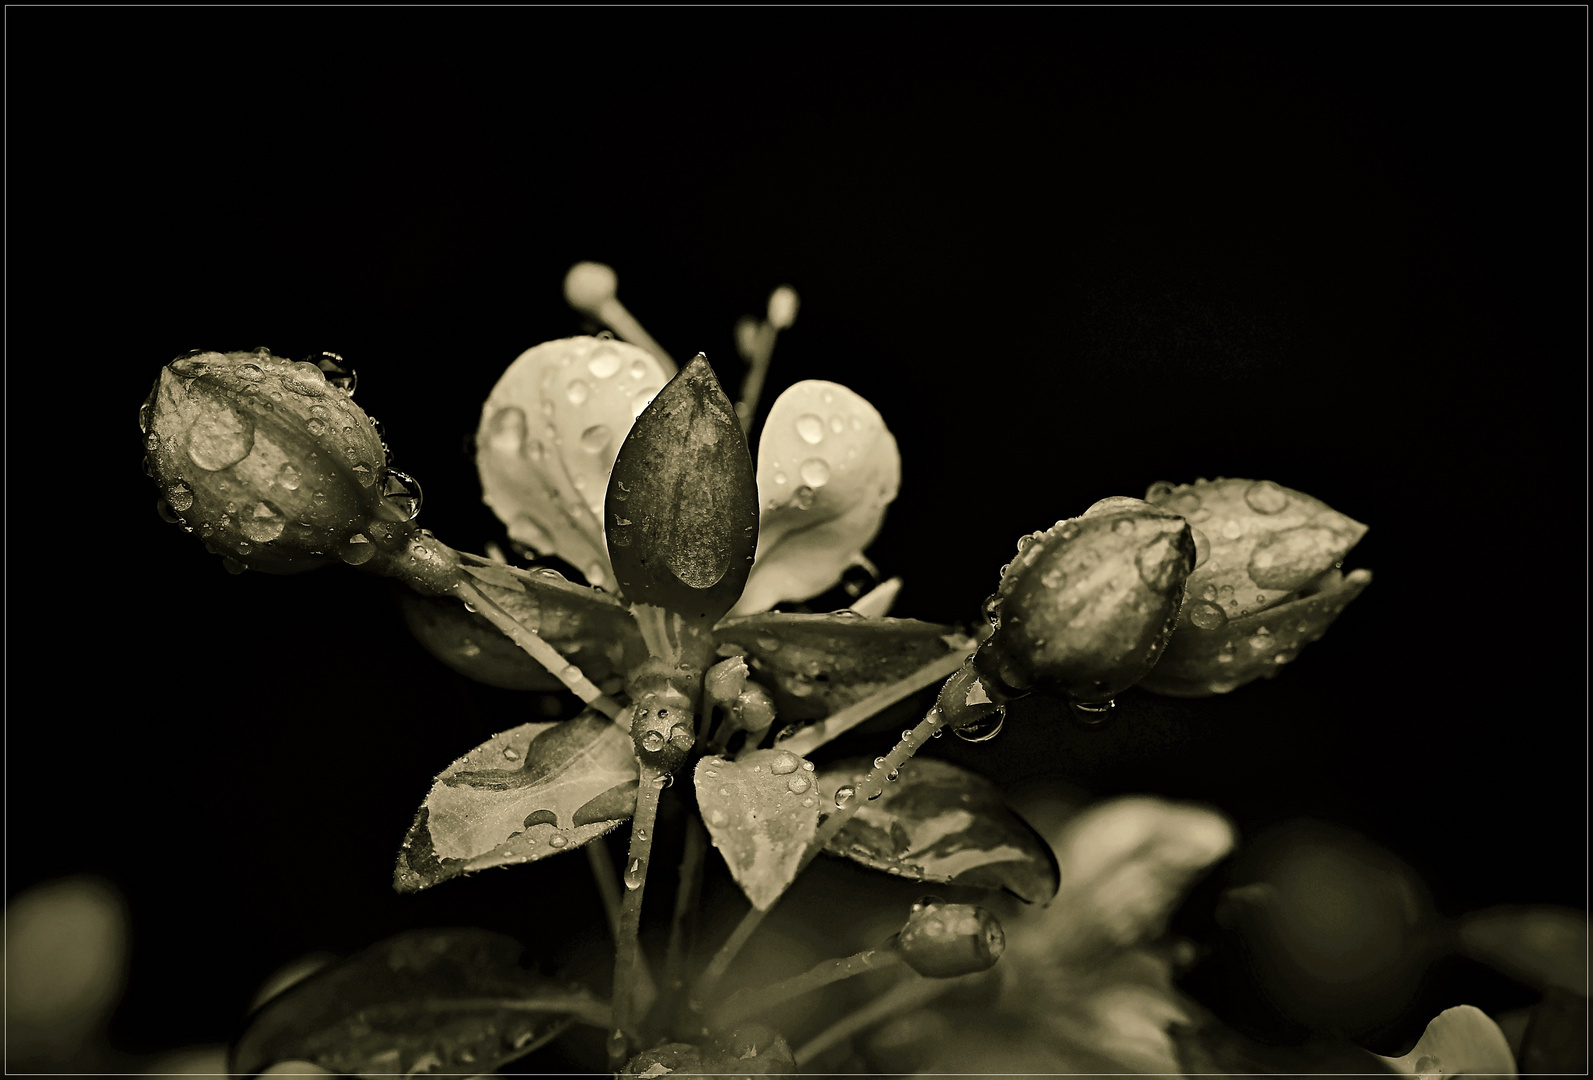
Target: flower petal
(549, 432)
(827, 469)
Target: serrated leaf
(592, 630)
(427, 1000)
(549, 432)
(939, 822)
(819, 664)
(525, 794)
(1542, 946)
(762, 812)
(827, 469)
(1459, 1041)
(1228, 653)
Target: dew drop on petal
(220, 437)
(1207, 616)
(577, 392)
(638, 369)
(802, 498)
(1231, 530)
(180, 498)
(558, 840)
(798, 783)
(1202, 547)
(604, 361)
(652, 741)
(1265, 497)
(511, 754)
(784, 762)
(597, 438)
(815, 472)
(810, 427)
(263, 524)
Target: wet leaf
(761, 811)
(818, 664)
(455, 1001)
(939, 822)
(827, 469)
(549, 433)
(1462, 1040)
(592, 630)
(1542, 946)
(523, 795)
(1202, 661)
(682, 510)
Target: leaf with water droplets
(590, 629)
(1205, 659)
(827, 469)
(818, 664)
(456, 1001)
(549, 432)
(939, 822)
(762, 812)
(525, 794)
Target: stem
(869, 787)
(811, 738)
(607, 884)
(911, 993)
(686, 893)
(751, 1002)
(539, 650)
(628, 959)
(757, 370)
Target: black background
(1065, 252)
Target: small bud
(1087, 605)
(724, 681)
(681, 516)
(663, 724)
(276, 468)
(943, 941)
(753, 709)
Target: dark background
(1065, 252)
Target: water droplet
(1261, 639)
(798, 783)
(577, 392)
(810, 427)
(663, 780)
(925, 902)
(1126, 525)
(844, 795)
(571, 673)
(815, 472)
(1282, 658)
(717, 817)
(251, 372)
(263, 524)
(1265, 497)
(220, 436)
(180, 498)
(639, 369)
(356, 550)
(802, 499)
(652, 741)
(558, 840)
(768, 643)
(1231, 529)
(635, 874)
(317, 428)
(597, 438)
(404, 492)
(1202, 546)
(784, 762)
(1186, 503)
(604, 361)
(893, 775)
(511, 754)
(1207, 616)
(984, 729)
(1092, 713)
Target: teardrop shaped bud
(277, 468)
(1087, 605)
(682, 509)
(663, 721)
(943, 941)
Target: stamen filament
(590, 289)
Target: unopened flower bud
(1265, 582)
(943, 941)
(753, 709)
(278, 469)
(1087, 605)
(663, 725)
(723, 682)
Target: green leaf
(938, 822)
(591, 629)
(761, 811)
(681, 516)
(523, 795)
(1542, 946)
(427, 1000)
(819, 664)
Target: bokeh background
(1066, 252)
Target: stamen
(590, 288)
(755, 342)
(876, 603)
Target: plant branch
(811, 738)
(607, 883)
(912, 992)
(539, 650)
(628, 959)
(680, 932)
(760, 999)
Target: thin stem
(912, 992)
(628, 959)
(870, 787)
(539, 650)
(811, 738)
(607, 884)
(760, 999)
(682, 927)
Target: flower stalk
(763, 998)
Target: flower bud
(943, 941)
(1265, 582)
(1087, 605)
(275, 467)
(663, 724)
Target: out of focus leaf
(1555, 1040)
(592, 630)
(1206, 1048)
(549, 433)
(819, 664)
(527, 793)
(455, 1001)
(762, 811)
(827, 469)
(1462, 1040)
(1541, 946)
(938, 822)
